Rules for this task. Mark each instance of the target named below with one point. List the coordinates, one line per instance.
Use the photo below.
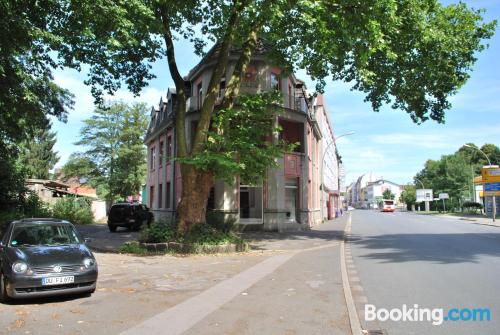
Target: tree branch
(180, 111)
(214, 85)
(233, 87)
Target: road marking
(351, 307)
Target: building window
(222, 88)
(200, 95)
(167, 205)
(169, 147)
(160, 196)
(151, 196)
(152, 157)
(275, 81)
(161, 154)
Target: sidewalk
(330, 231)
(289, 284)
(296, 290)
(469, 218)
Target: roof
(263, 47)
(47, 183)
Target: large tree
(28, 94)
(37, 155)
(412, 54)
(114, 160)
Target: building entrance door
(251, 206)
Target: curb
(196, 248)
(351, 307)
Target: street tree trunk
(196, 184)
(196, 187)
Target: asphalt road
(405, 258)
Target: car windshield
(34, 235)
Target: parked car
(44, 257)
(129, 215)
(350, 208)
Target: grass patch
(134, 248)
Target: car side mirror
(87, 240)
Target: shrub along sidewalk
(215, 236)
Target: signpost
(425, 194)
(491, 179)
(444, 196)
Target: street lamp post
(489, 162)
(323, 172)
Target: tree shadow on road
(436, 248)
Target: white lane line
(351, 307)
(183, 316)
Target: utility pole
(323, 172)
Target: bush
(207, 234)
(217, 221)
(30, 207)
(75, 210)
(159, 232)
(471, 206)
(167, 231)
(36, 208)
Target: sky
(386, 143)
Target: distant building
(358, 192)
(374, 192)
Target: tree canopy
(411, 54)
(114, 157)
(453, 173)
(37, 155)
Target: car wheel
(3, 290)
(112, 228)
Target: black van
(129, 215)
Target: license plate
(58, 280)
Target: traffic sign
(492, 189)
(444, 196)
(424, 195)
(490, 174)
(492, 186)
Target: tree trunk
(196, 187)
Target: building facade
(290, 196)
(374, 192)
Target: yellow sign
(491, 175)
